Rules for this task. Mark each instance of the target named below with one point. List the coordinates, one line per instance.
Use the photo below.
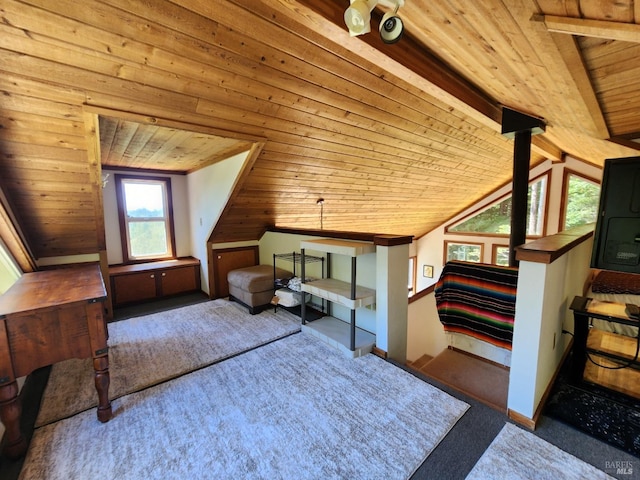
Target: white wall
(425, 335)
(392, 267)
(429, 249)
(273, 242)
(545, 292)
(208, 190)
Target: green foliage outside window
(582, 200)
(464, 252)
(497, 218)
(502, 256)
(145, 203)
(148, 238)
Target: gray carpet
(147, 350)
(518, 454)
(294, 408)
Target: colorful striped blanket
(478, 300)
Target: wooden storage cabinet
(135, 287)
(150, 281)
(179, 280)
(226, 260)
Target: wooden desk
(47, 317)
(583, 309)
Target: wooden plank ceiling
(396, 139)
(128, 144)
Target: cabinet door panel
(134, 288)
(178, 280)
(226, 260)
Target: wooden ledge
(392, 240)
(422, 293)
(548, 249)
(384, 240)
(155, 265)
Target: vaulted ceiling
(396, 138)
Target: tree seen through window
(497, 218)
(145, 217)
(582, 198)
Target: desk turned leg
(10, 411)
(101, 367)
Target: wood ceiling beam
(570, 52)
(410, 61)
(626, 32)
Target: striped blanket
(478, 300)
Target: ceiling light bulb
(391, 27)
(357, 17)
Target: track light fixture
(358, 19)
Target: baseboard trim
(531, 423)
(547, 392)
(521, 419)
(379, 352)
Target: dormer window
(146, 220)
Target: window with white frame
(465, 252)
(146, 220)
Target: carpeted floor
(516, 453)
(294, 408)
(160, 305)
(452, 459)
(151, 349)
(604, 414)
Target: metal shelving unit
(347, 294)
(297, 259)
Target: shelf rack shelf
(339, 292)
(347, 294)
(296, 259)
